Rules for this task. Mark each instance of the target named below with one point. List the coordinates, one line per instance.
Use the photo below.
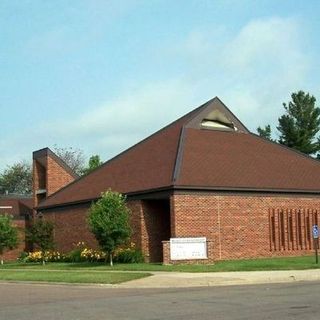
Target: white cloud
(262, 41)
(266, 62)
(111, 127)
(253, 71)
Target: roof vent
(215, 124)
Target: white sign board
(188, 248)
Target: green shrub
(23, 256)
(74, 256)
(81, 253)
(129, 255)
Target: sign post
(315, 234)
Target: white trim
(5, 207)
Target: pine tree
(300, 124)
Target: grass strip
(291, 263)
(69, 276)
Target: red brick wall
(155, 228)
(39, 181)
(149, 220)
(51, 177)
(70, 227)
(238, 225)
(57, 176)
(136, 220)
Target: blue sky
(102, 75)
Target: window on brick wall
(290, 229)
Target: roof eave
(190, 188)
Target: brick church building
(204, 175)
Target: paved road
(298, 300)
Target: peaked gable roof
(207, 148)
(147, 165)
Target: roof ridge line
(179, 156)
(299, 153)
(232, 114)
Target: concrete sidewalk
(183, 279)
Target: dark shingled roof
(209, 148)
(15, 205)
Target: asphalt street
(298, 300)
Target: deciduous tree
(73, 157)
(8, 234)
(16, 179)
(41, 234)
(109, 222)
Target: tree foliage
(73, 157)
(94, 162)
(16, 179)
(8, 234)
(41, 234)
(265, 132)
(109, 222)
(299, 126)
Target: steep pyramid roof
(209, 148)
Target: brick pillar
(50, 174)
(172, 217)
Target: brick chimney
(50, 174)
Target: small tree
(94, 162)
(41, 234)
(8, 234)
(109, 222)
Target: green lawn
(72, 276)
(293, 263)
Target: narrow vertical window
(282, 232)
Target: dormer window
(216, 116)
(215, 124)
